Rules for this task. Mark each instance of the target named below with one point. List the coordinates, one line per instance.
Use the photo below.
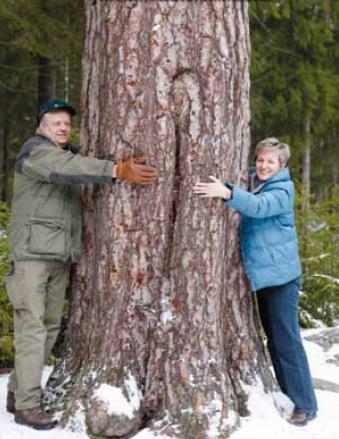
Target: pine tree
(161, 311)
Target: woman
(269, 249)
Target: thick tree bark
(160, 303)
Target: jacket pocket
(46, 237)
(15, 284)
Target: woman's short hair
(273, 144)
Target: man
(45, 233)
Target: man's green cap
(55, 104)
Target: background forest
(294, 96)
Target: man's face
(57, 125)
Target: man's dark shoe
(301, 418)
(10, 406)
(35, 418)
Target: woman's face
(267, 164)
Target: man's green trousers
(36, 289)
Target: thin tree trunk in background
(66, 80)
(66, 63)
(5, 158)
(45, 80)
(320, 187)
(306, 171)
(306, 182)
(335, 174)
(161, 310)
(334, 167)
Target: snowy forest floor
(322, 346)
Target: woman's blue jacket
(268, 237)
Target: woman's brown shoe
(301, 418)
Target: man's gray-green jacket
(46, 213)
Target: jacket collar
(256, 185)
(282, 175)
(40, 132)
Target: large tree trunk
(161, 309)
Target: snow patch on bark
(166, 314)
(77, 422)
(115, 400)
(148, 434)
(214, 411)
(163, 87)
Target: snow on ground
(265, 421)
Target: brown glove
(133, 171)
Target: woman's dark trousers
(278, 309)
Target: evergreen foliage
(6, 315)
(319, 248)
(30, 30)
(295, 80)
(294, 70)
(44, 27)
(294, 77)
